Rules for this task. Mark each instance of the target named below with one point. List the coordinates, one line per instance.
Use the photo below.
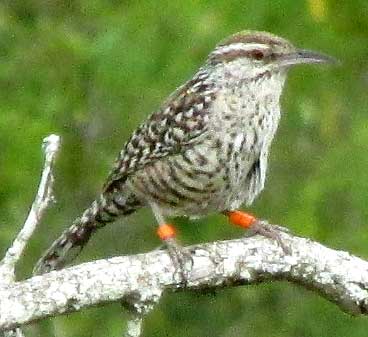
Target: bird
(205, 150)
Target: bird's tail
(70, 243)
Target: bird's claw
(267, 230)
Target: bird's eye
(257, 55)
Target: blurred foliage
(90, 71)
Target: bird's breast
(245, 127)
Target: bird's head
(250, 54)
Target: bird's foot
(181, 257)
(261, 227)
(272, 232)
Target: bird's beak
(304, 56)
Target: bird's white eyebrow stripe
(239, 46)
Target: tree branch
(140, 279)
(44, 196)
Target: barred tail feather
(70, 243)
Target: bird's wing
(180, 122)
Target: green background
(91, 70)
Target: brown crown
(249, 36)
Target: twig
(138, 306)
(336, 275)
(134, 326)
(43, 198)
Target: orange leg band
(241, 219)
(166, 231)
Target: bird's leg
(257, 226)
(181, 257)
